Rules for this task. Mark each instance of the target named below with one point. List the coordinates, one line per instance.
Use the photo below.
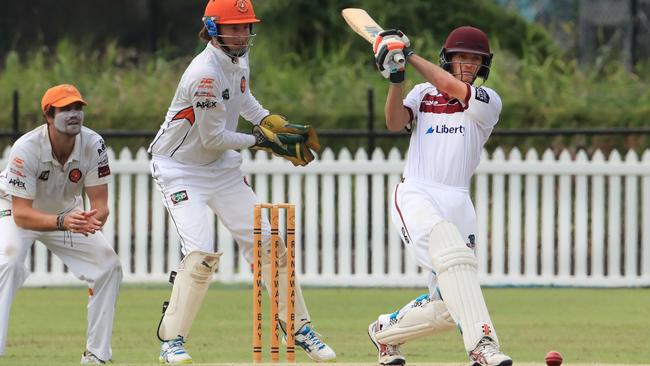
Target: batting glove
(391, 47)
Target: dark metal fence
(370, 134)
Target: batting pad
(190, 285)
(456, 268)
(428, 319)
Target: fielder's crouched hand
(287, 145)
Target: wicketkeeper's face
(464, 66)
(235, 36)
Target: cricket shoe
(88, 358)
(307, 339)
(487, 353)
(387, 354)
(174, 352)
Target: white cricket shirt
(201, 123)
(447, 134)
(33, 172)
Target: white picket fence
(551, 221)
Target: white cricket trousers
(190, 191)
(90, 258)
(418, 206)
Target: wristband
(60, 222)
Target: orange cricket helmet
(230, 12)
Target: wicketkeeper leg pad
(419, 319)
(456, 267)
(191, 282)
(300, 308)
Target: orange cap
(61, 96)
(231, 12)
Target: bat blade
(362, 23)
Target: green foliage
(324, 81)
(529, 322)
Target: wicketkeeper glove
(279, 124)
(287, 145)
(389, 47)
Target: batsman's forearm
(432, 73)
(396, 115)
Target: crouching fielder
(41, 199)
(450, 120)
(197, 168)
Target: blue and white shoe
(174, 352)
(310, 342)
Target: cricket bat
(361, 22)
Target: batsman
(197, 167)
(449, 119)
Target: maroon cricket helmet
(471, 40)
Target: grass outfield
(588, 326)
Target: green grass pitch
(588, 326)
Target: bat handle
(399, 58)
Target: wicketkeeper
(196, 165)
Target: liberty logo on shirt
(444, 129)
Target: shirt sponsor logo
(242, 84)
(205, 88)
(444, 129)
(103, 160)
(208, 104)
(75, 175)
(440, 104)
(18, 162)
(16, 172)
(225, 94)
(17, 183)
(45, 175)
(5, 213)
(103, 171)
(179, 197)
(482, 95)
(102, 147)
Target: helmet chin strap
(234, 55)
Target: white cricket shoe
(386, 354)
(174, 352)
(487, 353)
(309, 340)
(88, 358)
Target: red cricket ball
(553, 358)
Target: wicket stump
(274, 285)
